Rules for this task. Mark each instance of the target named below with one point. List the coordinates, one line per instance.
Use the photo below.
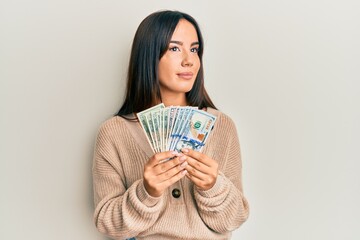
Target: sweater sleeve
(119, 212)
(224, 208)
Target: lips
(186, 75)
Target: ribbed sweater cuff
(217, 189)
(144, 196)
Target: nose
(187, 60)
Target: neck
(174, 99)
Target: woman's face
(180, 64)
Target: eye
(195, 50)
(174, 49)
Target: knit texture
(124, 209)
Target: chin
(178, 87)
(186, 89)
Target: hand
(202, 170)
(160, 173)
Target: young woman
(196, 195)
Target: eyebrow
(181, 43)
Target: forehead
(185, 31)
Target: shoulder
(222, 120)
(113, 122)
(111, 126)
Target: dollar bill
(154, 121)
(145, 126)
(165, 126)
(197, 132)
(181, 124)
(172, 120)
(175, 127)
(174, 131)
(146, 123)
(184, 126)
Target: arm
(221, 203)
(119, 212)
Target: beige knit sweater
(124, 209)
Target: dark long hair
(150, 43)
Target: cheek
(167, 66)
(197, 61)
(162, 71)
(198, 64)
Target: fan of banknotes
(173, 128)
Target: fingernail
(185, 150)
(184, 172)
(182, 158)
(183, 164)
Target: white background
(287, 72)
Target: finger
(171, 172)
(203, 185)
(195, 180)
(197, 155)
(173, 179)
(165, 166)
(156, 158)
(197, 165)
(196, 173)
